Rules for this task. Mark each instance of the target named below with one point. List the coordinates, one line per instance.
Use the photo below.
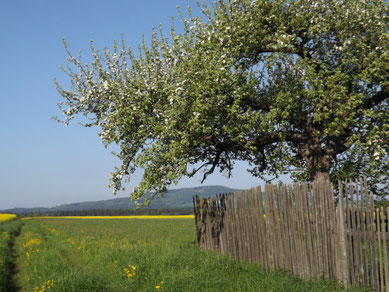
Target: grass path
(9, 231)
(13, 259)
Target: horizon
(116, 197)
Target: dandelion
(159, 286)
(130, 272)
(46, 286)
(52, 230)
(33, 241)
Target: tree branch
(376, 99)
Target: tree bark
(321, 176)
(317, 161)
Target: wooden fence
(303, 228)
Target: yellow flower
(159, 286)
(130, 272)
(6, 217)
(32, 241)
(46, 286)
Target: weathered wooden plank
(246, 236)
(273, 227)
(301, 229)
(353, 241)
(317, 226)
(241, 239)
(370, 232)
(306, 231)
(269, 230)
(291, 229)
(298, 230)
(374, 244)
(282, 228)
(230, 221)
(222, 229)
(330, 217)
(286, 230)
(252, 227)
(343, 272)
(359, 270)
(245, 217)
(234, 225)
(381, 268)
(224, 225)
(278, 230)
(296, 221)
(385, 229)
(253, 205)
(249, 231)
(363, 233)
(328, 228)
(324, 226)
(331, 250)
(262, 228)
(311, 202)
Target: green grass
(8, 231)
(91, 255)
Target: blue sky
(42, 162)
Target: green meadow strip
(8, 231)
(60, 254)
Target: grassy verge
(8, 232)
(136, 255)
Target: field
(63, 254)
(6, 217)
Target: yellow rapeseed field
(6, 217)
(123, 217)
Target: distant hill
(173, 199)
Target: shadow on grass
(10, 283)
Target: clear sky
(42, 162)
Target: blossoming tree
(286, 85)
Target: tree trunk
(317, 162)
(321, 176)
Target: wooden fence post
(342, 273)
